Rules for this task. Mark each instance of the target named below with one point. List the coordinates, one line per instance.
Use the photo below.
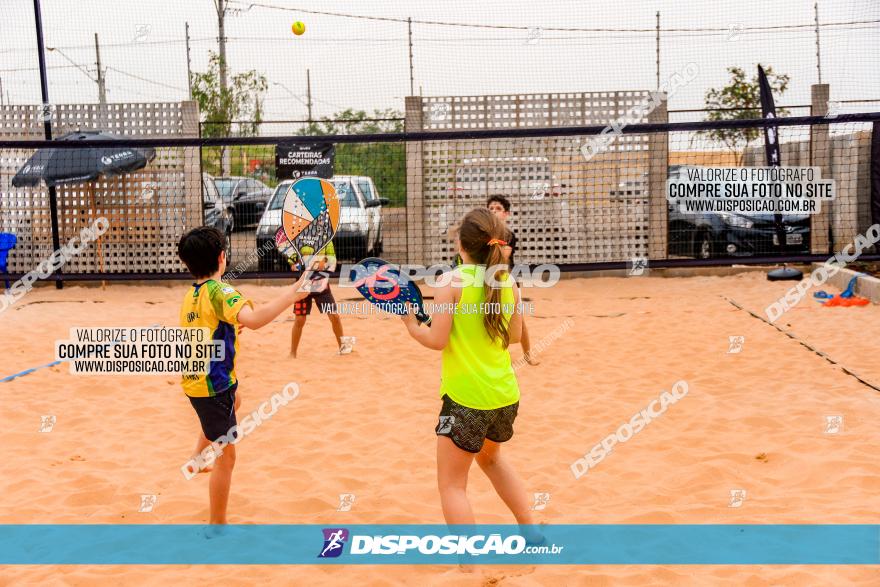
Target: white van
(360, 221)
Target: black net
(579, 197)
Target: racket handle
(423, 319)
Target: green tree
(740, 99)
(384, 162)
(219, 108)
(356, 122)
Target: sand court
(768, 433)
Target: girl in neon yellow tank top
(478, 387)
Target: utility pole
(309, 94)
(221, 33)
(102, 88)
(1, 91)
(411, 79)
(658, 49)
(221, 29)
(818, 55)
(103, 118)
(189, 75)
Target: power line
(329, 103)
(109, 67)
(149, 81)
(680, 35)
(17, 69)
(72, 62)
(603, 39)
(843, 27)
(652, 30)
(106, 45)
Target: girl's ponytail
(483, 236)
(493, 319)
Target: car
(359, 233)
(246, 196)
(374, 203)
(216, 213)
(706, 235)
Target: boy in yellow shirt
(213, 304)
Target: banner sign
(295, 160)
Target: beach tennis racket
(380, 283)
(309, 218)
(286, 249)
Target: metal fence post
(821, 237)
(658, 214)
(415, 196)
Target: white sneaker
(347, 345)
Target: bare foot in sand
(531, 359)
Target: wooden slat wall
(148, 210)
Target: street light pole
(309, 94)
(47, 129)
(76, 65)
(189, 75)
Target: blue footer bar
(635, 544)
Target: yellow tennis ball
(298, 28)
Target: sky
(363, 63)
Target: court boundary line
(806, 345)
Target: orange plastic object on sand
(853, 301)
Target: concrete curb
(866, 286)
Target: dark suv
(216, 213)
(246, 196)
(706, 235)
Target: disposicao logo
(337, 540)
(334, 542)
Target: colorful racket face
(380, 283)
(283, 245)
(310, 216)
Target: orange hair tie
(497, 241)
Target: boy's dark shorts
(325, 300)
(469, 427)
(216, 413)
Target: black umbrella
(57, 166)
